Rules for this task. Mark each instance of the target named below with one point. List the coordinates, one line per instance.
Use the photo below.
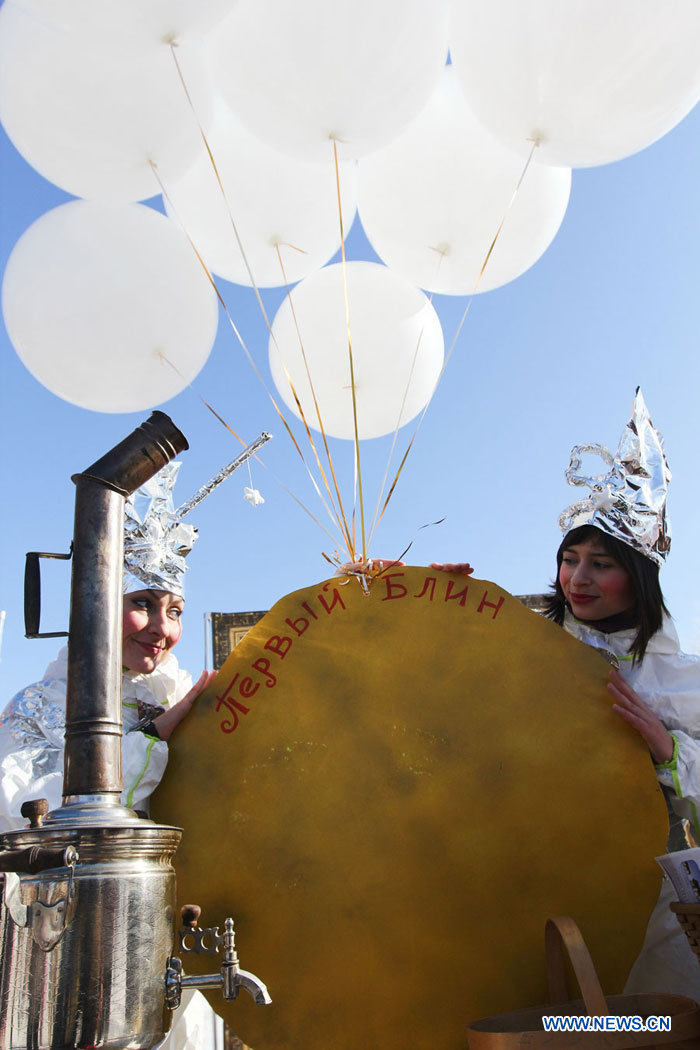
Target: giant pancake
(390, 793)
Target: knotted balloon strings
(336, 515)
(535, 144)
(364, 570)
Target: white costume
(32, 728)
(627, 501)
(668, 681)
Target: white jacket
(669, 682)
(32, 730)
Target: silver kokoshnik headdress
(629, 500)
(156, 540)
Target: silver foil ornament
(628, 499)
(156, 542)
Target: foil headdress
(156, 542)
(628, 501)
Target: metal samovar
(87, 916)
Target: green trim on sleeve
(671, 765)
(130, 797)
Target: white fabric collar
(664, 641)
(162, 686)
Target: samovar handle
(47, 921)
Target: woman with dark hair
(607, 594)
(605, 586)
(648, 601)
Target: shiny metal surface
(140, 455)
(628, 498)
(156, 541)
(101, 982)
(86, 920)
(207, 941)
(224, 473)
(92, 763)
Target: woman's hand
(633, 709)
(462, 567)
(171, 718)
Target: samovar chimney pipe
(92, 763)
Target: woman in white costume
(607, 593)
(156, 694)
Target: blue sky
(548, 361)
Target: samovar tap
(208, 941)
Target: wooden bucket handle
(562, 934)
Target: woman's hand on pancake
(462, 567)
(640, 716)
(167, 722)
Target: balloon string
(395, 436)
(242, 343)
(535, 144)
(404, 552)
(341, 519)
(335, 517)
(350, 354)
(262, 463)
(222, 301)
(221, 187)
(222, 190)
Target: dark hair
(649, 605)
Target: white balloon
(594, 81)
(107, 306)
(274, 201)
(397, 349)
(91, 117)
(431, 202)
(132, 23)
(301, 74)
